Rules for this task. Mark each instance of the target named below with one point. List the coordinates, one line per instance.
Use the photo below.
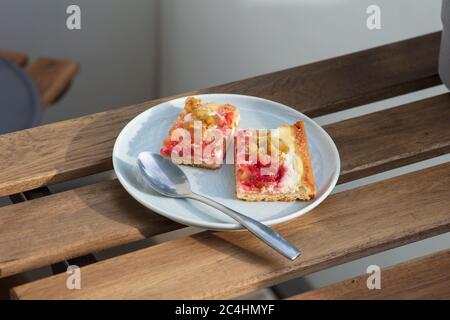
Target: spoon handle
(263, 232)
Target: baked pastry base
(306, 189)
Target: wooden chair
(52, 78)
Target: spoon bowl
(163, 175)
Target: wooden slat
(73, 223)
(387, 139)
(34, 157)
(423, 278)
(60, 151)
(52, 77)
(83, 146)
(222, 264)
(60, 266)
(351, 80)
(18, 58)
(392, 138)
(7, 283)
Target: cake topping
(198, 119)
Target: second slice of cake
(274, 165)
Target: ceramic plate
(147, 131)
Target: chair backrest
(20, 103)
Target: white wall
(209, 42)
(115, 48)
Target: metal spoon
(168, 179)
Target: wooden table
(51, 228)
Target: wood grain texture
(61, 266)
(392, 138)
(367, 144)
(6, 283)
(351, 80)
(423, 278)
(83, 146)
(18, 58)
(52, 77)
(39, 232)
(223, 264)
(60, 151)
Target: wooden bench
(102, 215)
(423, 278)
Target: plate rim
(226, 226)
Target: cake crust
(301, 142)
(306, 189)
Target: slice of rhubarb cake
(200, 133)
(274, 165)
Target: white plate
(147, 131)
